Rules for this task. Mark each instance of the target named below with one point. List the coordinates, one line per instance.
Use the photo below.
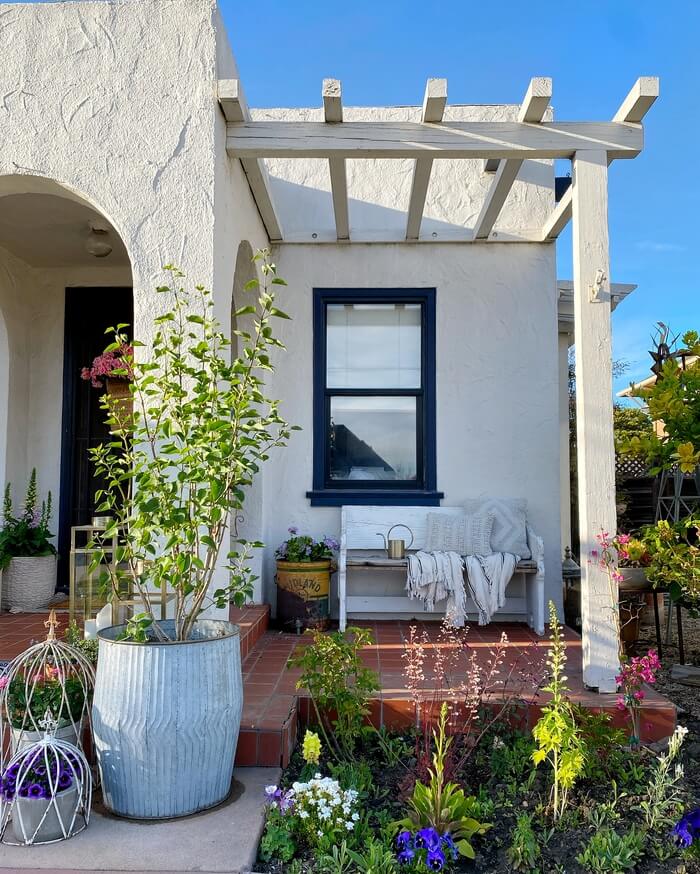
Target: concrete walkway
(222, 840)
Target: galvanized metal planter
(166, 718)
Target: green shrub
(524, 851)
(607, 852)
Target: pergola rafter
(235, 109)
(433, 108)
(333, 113)
(632, 110)
(532, 111)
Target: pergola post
(594, 413)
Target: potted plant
(28, 701)
(168, 694)
(27, 556)
(46, 790)
(632, 560)
(304, 568)
(114, 367)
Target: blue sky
(384, 50)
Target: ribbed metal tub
(166, 718)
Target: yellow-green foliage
(558, 738)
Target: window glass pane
(373, 438)
(373, 345)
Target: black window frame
(335, 493)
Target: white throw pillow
(509, 533)
(468, 534)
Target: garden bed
(619, 817)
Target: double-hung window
(374, 397)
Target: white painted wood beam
(475, 139)
(434, 103)
(333, 113)
(235, 109)
(639, 100)
(594, 415)
(532, 110)
(632, 110)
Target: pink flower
(594, 553)
(620, 704)
(639, 695)
(4, 681)
(623, 538)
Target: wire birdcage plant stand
(45, 792)
(52, 680)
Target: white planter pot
(27, 814)
(165, 720)
(23, 738)
(633, 578)
(29, 583)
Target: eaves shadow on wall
(306, 210)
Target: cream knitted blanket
(434, 576)
(487, 578)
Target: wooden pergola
(502, 146)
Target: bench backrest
(360, 526)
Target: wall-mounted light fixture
(97, 242)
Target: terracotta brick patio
(273, 707)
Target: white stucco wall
(497, 377)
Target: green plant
(339, 683)
(176, 472)
(524, 851)
(663, 801)
(442, 805)
(353, 775)
(87, 646)
(301, 547)
(603, 813)
(511, 759)
(628, 423)
(603, 744)
(393, 747)
(675, 558)
(674, 400)
(375, 859)
(556, 733)
(26, 535)
(277, 842)
(607, 852)
(337, 861)
(30, 698)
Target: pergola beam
(509, 140)
(434, 103)
(632, 110)
(532, 111)
(235, 109)
(333, 114)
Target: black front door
(88, 314)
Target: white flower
(303, 814)
(349, 825)
(270, 790)
(319, 833)
(355, 817)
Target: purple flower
(435, 860)
(36, 790)
(406, 856)
(293, 530)
(65, 781)
(404, 839)
(450, 844)
(429, 839)
(685, 829)
(286, 801)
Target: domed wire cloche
(50, 679)
(45, 792)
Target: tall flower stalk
(177, 467)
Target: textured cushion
(468, 534)
(509, 533)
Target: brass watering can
(396, 548)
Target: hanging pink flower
(106, 364)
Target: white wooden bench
(361, 549)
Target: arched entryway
(65, 277)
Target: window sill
(374, 497)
